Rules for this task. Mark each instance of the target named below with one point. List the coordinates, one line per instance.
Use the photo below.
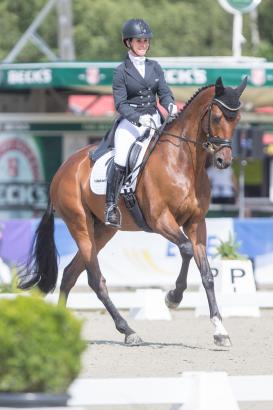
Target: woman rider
(136, 83)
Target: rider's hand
(145, 120)
(172, 109)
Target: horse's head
(222, 117)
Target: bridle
(213, 143)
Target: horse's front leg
(197, 234)
(167, 226)
(175, 296)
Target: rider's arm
(164, 93)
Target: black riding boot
(114, 184)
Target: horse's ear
(219, 87)
(240, 89)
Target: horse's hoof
(133, 340)
(222, 340)
(169, 304)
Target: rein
(211, 145)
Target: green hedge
(40, 346)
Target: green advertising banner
(58, 75)
(27, 165)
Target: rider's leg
(114, 184)
(125, 136)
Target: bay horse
(173, 192)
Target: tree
(180, 27)
(15, 18)
(265, 48)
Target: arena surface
(172, 347)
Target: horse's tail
(42, 266)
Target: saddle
(103, 158)
(107, 143)
(104, 165)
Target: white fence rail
(195, 390)
(149, 303)
(127, 300)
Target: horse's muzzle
(223, 158)
(220, 164)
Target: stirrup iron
(112, 216)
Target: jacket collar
(132, 71)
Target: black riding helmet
(135, 28)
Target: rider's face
(140, 46)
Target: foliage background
(40, 346)
(180, 27)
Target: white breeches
(125, 136)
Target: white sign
(239, 6)
(235, 288)
(41, 76)
(196, 76)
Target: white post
(209, 391)
(237, 35)
(271, 180)
(241, 195)
(151, 306)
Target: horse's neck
(188, 126)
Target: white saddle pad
(98, 174)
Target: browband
(226, 106)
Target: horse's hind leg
(175, 296)
(88, 234)
(70, 276)
(102, 235)
(73, 270)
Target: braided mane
(181, 111)
(194, 95)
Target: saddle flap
(100, 171)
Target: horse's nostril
(220, 163)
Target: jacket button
(141, 96)
(142, 104)
(149, 103)
(149, 96)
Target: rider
(136, 83)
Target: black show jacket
(135, 95)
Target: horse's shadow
(155, 345)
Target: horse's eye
(216, 119)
